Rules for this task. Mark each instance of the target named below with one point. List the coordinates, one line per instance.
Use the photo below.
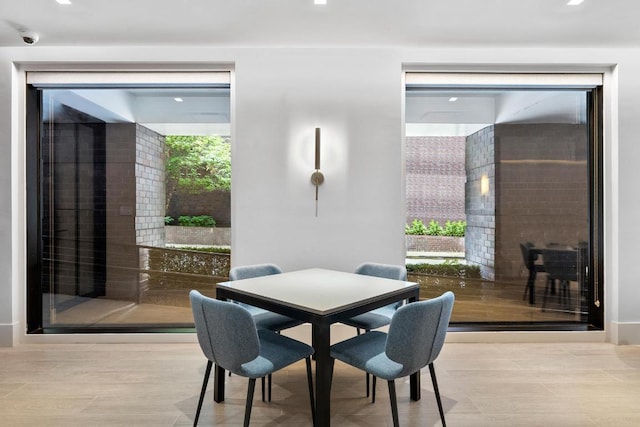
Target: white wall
(355, 96)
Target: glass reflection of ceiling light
(319, 2)
(574, 2)
(64, 1)
(178, 99)
(453, 99)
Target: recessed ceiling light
(320, 2)
(178, 99)
(574, 2)
(453, 99)
(64, 1)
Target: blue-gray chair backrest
(226, 332)
(417, 332)
(249, 271)
(387, 271)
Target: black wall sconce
(317, 178)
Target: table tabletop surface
(318, 290)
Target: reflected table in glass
(320, 297)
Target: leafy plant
(451, 228)
(434, 229)
(196, 164)
(168, 220)
(417, 227)
(196, 221)
(455, 228)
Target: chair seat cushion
(268, 320)
(367, 352)
(276, 352)
(274, 321)
(373, 319)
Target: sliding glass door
(506, 181)
(111, 167)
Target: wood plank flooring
(561, 384)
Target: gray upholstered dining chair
(228, 337)
(264, 319)
(416, 336)
(381, 316)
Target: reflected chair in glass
(381, 316)
(561, 265)
(416, 336)
(264, 319)
(529, 257)
(228, 337)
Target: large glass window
(503, 201)
(130, 185)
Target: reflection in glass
(106, 260)
(515, 166)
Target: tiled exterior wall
(542, 186)
(214, 203)
(537, 193)
(150, 188)
(480, 208)
(215, 236)
(435, 178)
(135, 203)
(122, 253)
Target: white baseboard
(624, 333)
(8, 334)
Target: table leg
(218, 384)
(321, 342)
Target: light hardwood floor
(574, 384)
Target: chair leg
(366, 374)
(269, 387)
(394, 402)
(207, 372)
(262, 384)
(367, 382)
(373, 390)
(247, 409)
(311, 397)
(432, 370)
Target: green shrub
(455, 228)
(434, 229)
(196, 221)
(168, 220)
(417, 227)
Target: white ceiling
(339, 23)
